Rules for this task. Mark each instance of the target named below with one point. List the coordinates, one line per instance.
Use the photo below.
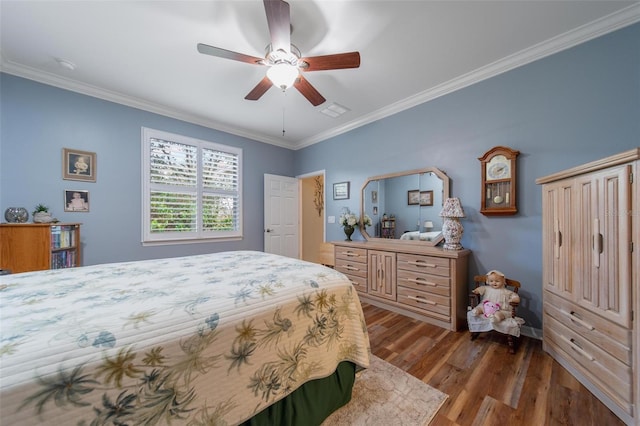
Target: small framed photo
(78, 165)
(341, 191)
(76, 200)
(413, 197)
(426, 198)
(375, 210)
(374, 197)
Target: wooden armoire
(591, 292)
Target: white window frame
(198, 236)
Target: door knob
(269, 230)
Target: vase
(16, 215)
(348, 230)
(42, 217)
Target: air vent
(334, 110)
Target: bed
(422, 236)
(220, 338)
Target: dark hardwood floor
(486, 384)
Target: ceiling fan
(284, 59)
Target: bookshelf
(28, 247)
(388, 228)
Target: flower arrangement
(350, 219)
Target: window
(191, 189)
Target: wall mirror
(405, 206)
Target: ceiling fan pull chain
(283, 122)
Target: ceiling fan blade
(228, 54)
(279, 20)
(260, 89)
(308, 91)
(332, 62)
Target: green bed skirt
(311, 403)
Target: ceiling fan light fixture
(283, 75)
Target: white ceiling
(143, 54)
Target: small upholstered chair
(509, 326)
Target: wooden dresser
(591, 287)
(426, 283)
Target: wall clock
(498, 172)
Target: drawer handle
(572, 317)
(422, 300)
(423, 264)
(350, 254)
(351, 268)
(422, 281)
(578, 349)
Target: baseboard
(534, 333)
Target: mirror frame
(445, 194)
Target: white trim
(584, 33)
(607, 24)
(322, 173)
(534, 333)
(199, 235)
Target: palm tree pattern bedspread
(205, 339)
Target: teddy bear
(495, 298)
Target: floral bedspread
(206, 339)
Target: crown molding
(584, 33)
(615, 21)
(39, 76)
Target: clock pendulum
(498, 198)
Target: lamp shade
(452, 208)
(428, 224)
(283, 75)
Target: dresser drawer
(435, 305)
(356, 254)
(424, 282)
(608, 373)
(360, 283)
(424, 264)
(611, 337)
(352, 268)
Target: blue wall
(573, 107)
(576, 106)
(37, 121)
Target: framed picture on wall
(374, 197)
(426, 198)
(78, 165)
(76, 200)
(341, 191)
(413, 197)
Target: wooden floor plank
(486, 384)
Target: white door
(281, 215)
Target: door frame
(322, 173)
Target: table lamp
(451, 227)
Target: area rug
(385, 395)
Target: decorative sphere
(16, 215)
